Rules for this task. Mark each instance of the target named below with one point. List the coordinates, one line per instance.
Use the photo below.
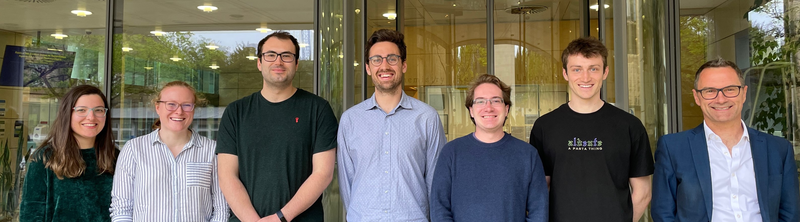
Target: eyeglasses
(272, 56)
(82, 111)
(712, 93)
(376, 60)
(172, 106)
(481, 102)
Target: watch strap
(280, 216)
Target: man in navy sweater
(489, 175)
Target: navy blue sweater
(501, 181)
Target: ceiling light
(251, 57)
(390, 16)
(81, 13)
(212, 47)
(175, 58)
(158, 32)
(213, 66)
(355, 64)
(263, 30)
(148, 67)
(303, 45)
(126, 49)
(594, 7)
(207, 8)
(59, 35)
(341, 56)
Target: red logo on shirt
(297, 119)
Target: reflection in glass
(40, 59)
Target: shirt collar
(154, 138)
(405, 102)
(710, 135)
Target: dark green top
(84, 198)
(275, 143)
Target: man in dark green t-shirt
(277, 147)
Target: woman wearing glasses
(171, 173)
(70, 175)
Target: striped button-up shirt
(152, 185)
(386, 160)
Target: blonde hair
(198, 100)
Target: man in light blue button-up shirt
(388, 144)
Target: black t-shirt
(275, 143)
(590, 159)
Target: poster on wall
(36, 67)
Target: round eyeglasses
(392, 59)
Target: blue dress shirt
(386, 160)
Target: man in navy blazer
(723, 170)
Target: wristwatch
(280, 216)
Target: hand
(270, 218)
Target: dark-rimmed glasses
(710, 93)
(495, 101)
(82, 111)
(392, 59)
(286, 57)
(172, 106)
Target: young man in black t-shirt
(277, 147)
(596, 157)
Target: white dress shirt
(150, 184)
(733, 180)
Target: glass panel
(331, 78)
(215, 56)
(762, 42)
(646, 69)
(446, 43)
(358, 58)
(528, 57)
(44, 51)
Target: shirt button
(734, 196)
(738, 216)
(386, 211)
(387, 133)
(385, 171)
(386, 191)
(733, 174)
(387, 152)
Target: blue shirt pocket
(198, 174)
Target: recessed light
(390, 16)
(263, 29)
(213, 66)
(59, 35)
(303, 45)
(175, 58)
(207, 8)
(212, 47)
(158, 32)
(251, 57)
(355, 64)
(126, 49)
(148, 67)
(594, 7)
(81, 13)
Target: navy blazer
(682, 177)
